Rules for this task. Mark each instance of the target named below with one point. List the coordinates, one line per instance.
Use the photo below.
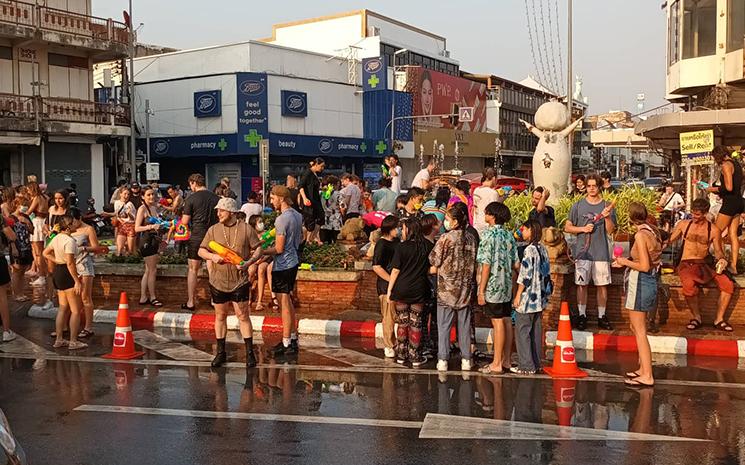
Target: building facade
(50, 125)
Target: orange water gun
(226, 254)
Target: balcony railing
(52, 19)
(62, 109)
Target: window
(673, 31)
(735, 25)
(699, 28)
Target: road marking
(350, 357)
(393, 369)
(437, 426)
(22, 346)
(249, 416)
(165, 346)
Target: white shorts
(586, 269)
(38, 235)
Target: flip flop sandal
(186, 307)
(259, 306)
(275, 302)
(59, 344)
(85, 333)
(487, 370)
(77, 345)
(694, 324)
(631, 375)
(636, 384)
(156, 303)
(723, 326)
(147, 302)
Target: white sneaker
(442, 365)
(389, 352)
(8, 336)
(40, 281)
(465, 365)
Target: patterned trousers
(409, 332)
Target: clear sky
(619, 45)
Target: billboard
(253, 120)
(435, 93)
(374, 74)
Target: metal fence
(62, 109)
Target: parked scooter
(100, 223)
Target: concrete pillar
(98, 189)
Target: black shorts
(313, 216)
(283, 282)
(732, 205)
(4, 272)
(496, 311)
(62, 278)
(242, 294)
(192, 248)
(24, 258)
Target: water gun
(164, 224)
(703, 185)
(504, 190)
(519, 234)
(182, 232)
(52, 234)
(226, 254)
(386, 171)
(617, 251)
(599, 216)
(268, 238)
(327, 191)
(307, 267)
(166, 202)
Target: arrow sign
(465, 114)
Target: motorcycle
(101, 224)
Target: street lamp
(393, 98)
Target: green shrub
(325, 256)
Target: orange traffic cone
(564, 394)
(565, 363)
(124, 343)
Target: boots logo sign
(160, 146)
(119, 339)
(325, 146)
(373, 66)
(567, 354)
(207, 104)
(294, 103)
(251, 87)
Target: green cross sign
(222, 144)
(380, 147)
(373, 81)
(252, 138)
(363, 147)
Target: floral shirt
(332, 211)
(498, 250)
(456, 268)
(535, 275)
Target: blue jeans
(528, 339)
(445, 317)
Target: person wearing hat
(136, 197)
(289, 236)
(229, 284)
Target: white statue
(578, 89)
(552, 160)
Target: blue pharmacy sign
(253, 111)
(189, 146)
(207, 104)
(291, 144)
(374, 74)
(294, 104)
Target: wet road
(342, 403)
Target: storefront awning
(20, 140)
(664, 130)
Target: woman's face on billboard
(426, 97)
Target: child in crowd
(261, 272)
(431, 225)
(331, 203)
(534, 287)
(454, 260)
(385, 249)
(409, 287)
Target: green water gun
(386, 171)
(327, 191)
(268, 238)
(307, 267)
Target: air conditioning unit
(373, 31)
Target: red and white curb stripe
(584, 340)
(678, 345)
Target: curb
(678, 345)
(584, 340)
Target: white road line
(21, 345)
(165, 346)
(249, 416)
(351, 357)
(394, 369)
(438, 426)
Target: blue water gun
(164, 224)
(703, 185)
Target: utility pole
(569, 74)
(147, 130)
(393, 101)
(132, 125)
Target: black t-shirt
(383, 257)
(412, 259)
(295, 196)
(312, 186)
(136, 201)
(200, 206)
(546, 218)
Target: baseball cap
(282, 191)
(228, 204)
(135, 184)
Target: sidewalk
(704, 343)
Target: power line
(538, 70)
(548, 46)
(558, 41)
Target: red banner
(435, 93)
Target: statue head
(551, 116)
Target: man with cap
(136, 197)
(229, 284)
(289, 235)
